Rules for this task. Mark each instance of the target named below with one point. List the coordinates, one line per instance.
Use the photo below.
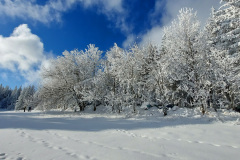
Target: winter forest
(195, 67)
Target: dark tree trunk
(82, 106)
(95, 107)
(203, 109)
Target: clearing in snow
(181, 135)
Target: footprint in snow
(19, 158)
(3, 155)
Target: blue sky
(34, 31)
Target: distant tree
(26, 98)
(14, 97)
(5, 97)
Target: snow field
(27, 136)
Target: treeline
(8, 97)
(16, 98)
(193, 67)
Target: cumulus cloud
(171, 9)
(22, 52)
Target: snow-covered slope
(183, 134)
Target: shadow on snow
(41, 121)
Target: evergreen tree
(227, 30)
(5, 97)
(225, 41)
(25, 98)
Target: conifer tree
(225, 41)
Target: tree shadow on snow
(38, 121)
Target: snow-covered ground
(183, 134)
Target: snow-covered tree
(224, 38)
(147, 61)
(58, 82)
(227, 31)
(8, 97)
(192, 68)
(67, 81)
(130, 80)
(112, 74)
(92, 90)
(186, 61)
(14, 97)
(26, 98)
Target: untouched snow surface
(183, 134)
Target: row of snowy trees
(8, 97)
(193, 67)
(26, 98)
(17, 98)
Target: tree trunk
(95, 107)
(82, 106)
(203, 109)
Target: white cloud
(52, 10)
(131, 39)
(171, 10)
(28, 9)
(203, 7)
(154, 35)
(22, 52)
(108, 5)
